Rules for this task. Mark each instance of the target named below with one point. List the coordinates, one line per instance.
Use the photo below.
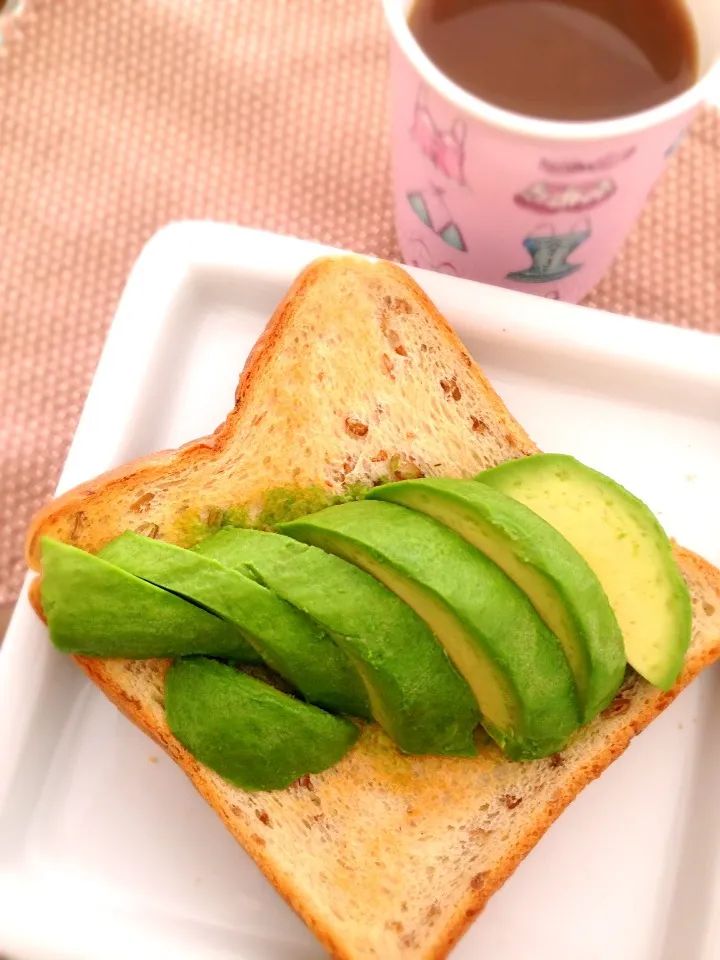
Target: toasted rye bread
(357, 376)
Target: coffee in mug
(562, 59)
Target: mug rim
(561, 130)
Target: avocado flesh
(514, 665)
(625, 546)
(94, 609)
(246, 731)
(289, 642)
(416, 693)
(558, 582)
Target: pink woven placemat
(118, 117)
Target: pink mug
(534, 205)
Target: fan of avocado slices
(509, 605)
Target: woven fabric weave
(119, 117)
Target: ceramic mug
(534, 205)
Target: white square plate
(107, 852)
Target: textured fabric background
(118, 117)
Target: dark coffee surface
(562, 59)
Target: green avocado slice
(514, 665)
(558, 582)
(623, 543)
(97, 610)
(417, 695)
(289, 642)
(246, 731)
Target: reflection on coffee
(562, 59)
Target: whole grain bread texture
(359, 378)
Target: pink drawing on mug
(420, 257)
(430, 207)
(543, 197)
(445, 149)
(569, 167)
(549, 252)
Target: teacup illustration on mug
(549, 252)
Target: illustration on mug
(549, 252)
(445, 148)
(419, 256)
(544, 197)
(431, 208)
(564, 168)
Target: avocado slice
(97, 610)
(246, 731)
(514, 665)
(289, 642)
(558, 582)
(623, 543)
(417, 695)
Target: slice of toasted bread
(357, 376)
